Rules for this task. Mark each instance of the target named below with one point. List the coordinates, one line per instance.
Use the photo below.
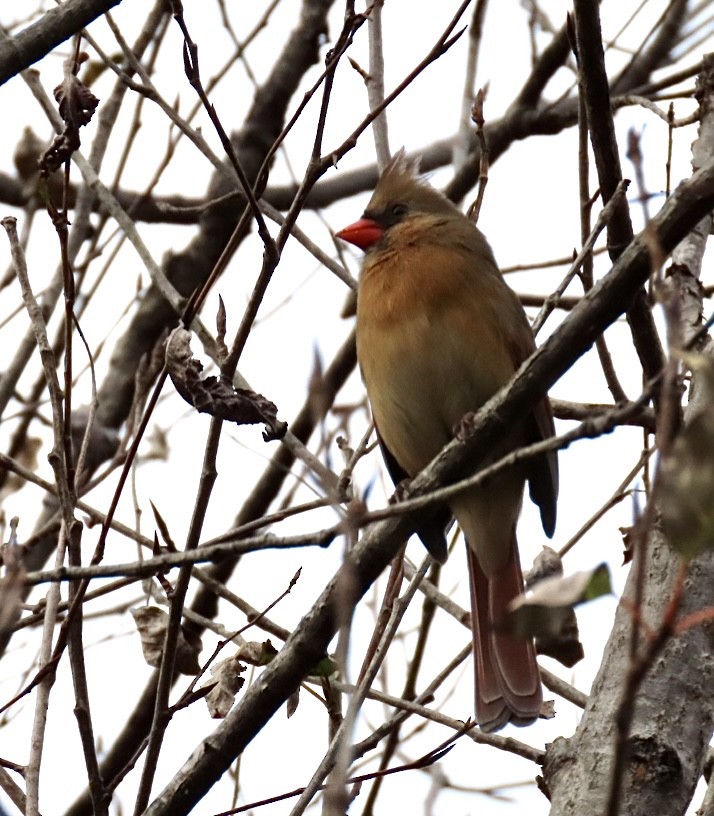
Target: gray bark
(673, 712)
(673, 719)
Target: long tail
(508, 685)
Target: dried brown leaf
(76, 107)
(564, 645)
(215, 395)
(257, 654)
(226, 683)
(151, 623)
(546, 612)
(545, 565)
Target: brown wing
(431, 530)
(542, 470)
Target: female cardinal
(438, 333)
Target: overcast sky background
(530, 213)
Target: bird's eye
(398, 209)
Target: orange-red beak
(362, 233)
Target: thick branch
(53, 28)
(594, 85)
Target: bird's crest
(401, 182)
(402, 168)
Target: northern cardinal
(438, 333)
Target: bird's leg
(464, 427)
(400, 491)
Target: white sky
(530, 214)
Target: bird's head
(401, 194)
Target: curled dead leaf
(215, 395)
(546, 610)
(226, 683)
(564, 644)
(257, 654)
(151, 623)
(545, 565)
(76, 107)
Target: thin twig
(603, 219)
(360, 693)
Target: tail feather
(508, 685)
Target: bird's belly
(421, 378)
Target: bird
(438, 333)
